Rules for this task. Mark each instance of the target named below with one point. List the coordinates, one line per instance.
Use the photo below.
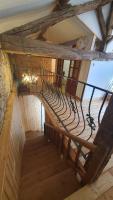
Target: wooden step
(45, 176)
(39, 151)
(33, 134)
(41, 140)
(56, 187)
(39, 163)
(43, 173)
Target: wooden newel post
(104, 142)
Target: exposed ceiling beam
(106, 28)
(19, 45)
(56, 17)
(110, 23)
(101, 21)
(60, 4)
(103, 27)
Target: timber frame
(20, 45)
(106, 28)
(14, 41)
(56, 17)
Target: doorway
(74, 70)
(33, 114)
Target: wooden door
(74, 71)
(59, 71)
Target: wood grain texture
(56, 17)
(110, 25)
(101, 22)
(18, 45)
(60, 4)
(22, 63)
(110, 20)
(11, 147)
(44, 174)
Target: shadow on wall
(100, 75)
(33, 113)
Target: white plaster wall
(66, 30)
(31, 111)
(90, 20)
(12, 7)
(20, 18)
(85, 66)
(53, 65)
(66, 67)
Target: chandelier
(27, 78)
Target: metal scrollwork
(73, 106)
(58, 94)
(91, 122)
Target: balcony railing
(79, 106)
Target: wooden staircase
(45, 175)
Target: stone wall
(5, 84)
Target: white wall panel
(33, 117)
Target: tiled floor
(102, 189)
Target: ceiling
(66, 30)
(14, 13)
(13, 7)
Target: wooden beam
(63, 2)
(41, 37)
(60, 4)
(101, 22)
(20, 45)
(56, 17)
(106, 29)
(110, 23)
(103, 28)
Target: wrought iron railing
(79, 106)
